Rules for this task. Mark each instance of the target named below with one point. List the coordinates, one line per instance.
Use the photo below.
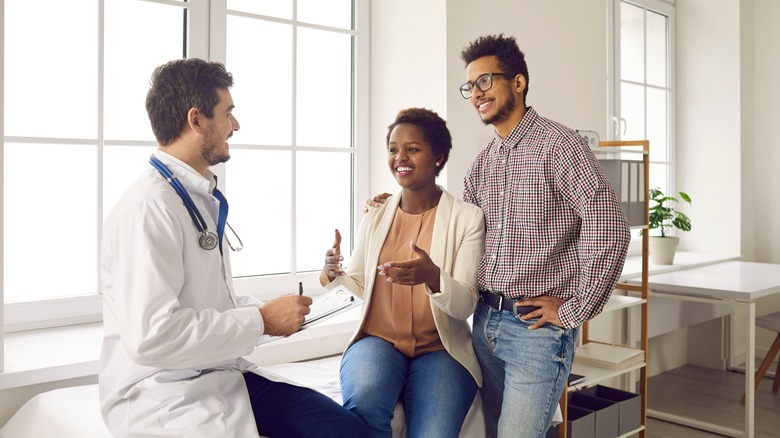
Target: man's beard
(503, 112)
(212, 155)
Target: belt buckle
(500, 305)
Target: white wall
(709, 127)
(565, 47)
(407, 70)
(761, 144)
(762, 222)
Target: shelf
(610, 150)
(594, 375)
(617, 302)
(633, 432)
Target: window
(642, 101)
(76, 135)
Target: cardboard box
(606, 413)
(580, 423)
(629, 406)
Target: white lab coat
(174, 330)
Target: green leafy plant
(663, 216)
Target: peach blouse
(401, 314)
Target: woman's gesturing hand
(333, 259)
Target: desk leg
(750, 372)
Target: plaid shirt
(553, 223)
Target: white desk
(733, 283)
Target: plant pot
(662, 249)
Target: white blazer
(456, 248)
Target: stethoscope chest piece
(208, 240)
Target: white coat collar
(188, 176)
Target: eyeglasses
(484, 82)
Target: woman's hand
(333, 259)
(418, 270)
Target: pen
(300, 288)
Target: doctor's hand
(333, 259)
(284, 315)
(376, 201)
(417, 270)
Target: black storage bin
(629, 406)
(606, 413)
(580, 423)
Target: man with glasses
(556, 241)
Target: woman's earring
(437, 164)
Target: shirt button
(501, 193)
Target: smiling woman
(414, 264)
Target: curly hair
(179, 85)
(510, 58)
(434, 131)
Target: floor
(711, 396)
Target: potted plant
(664, 217)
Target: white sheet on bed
(74, 412)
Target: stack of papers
(612, 357)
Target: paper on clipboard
(336, 300)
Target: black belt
(498, 302)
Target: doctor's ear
(193, 118)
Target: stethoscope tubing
(192, 209)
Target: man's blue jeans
(435, 389)
(524, 371)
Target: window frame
(205, 20)
(613, 102)
(615, 121)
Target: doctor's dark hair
(179, 85)
(434, 131)
(510, 59)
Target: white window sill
(49, 355)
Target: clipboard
(336, 300)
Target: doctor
(174, 330)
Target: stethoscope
(207, 240)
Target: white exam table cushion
(74, 412)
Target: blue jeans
(436, 390)
(284, 410)
(523, 371)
